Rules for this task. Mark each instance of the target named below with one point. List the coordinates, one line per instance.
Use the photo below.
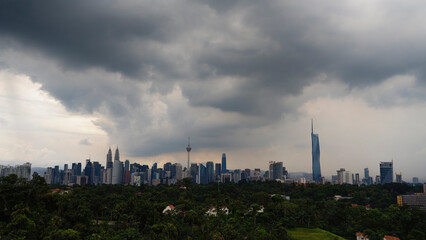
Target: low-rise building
(415, 200)
(386, 237)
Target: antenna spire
(312, 125)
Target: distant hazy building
(316, 168)
(348, 177)
(357, 178)
(22, 171)
(415, 180)
(176, 171)
(210, 172)
(248, 173)
(81, 180)
(399, 178)
(88, 171)
(237, 175)
(202, 174)
(226, 177)
(277, 170)
(367, 177)
(68, 178)
(341, 176)
(48, 175)
(194, 173)
(217, 171)
(256, 175)
(377, 179)
(386, 172)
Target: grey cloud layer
(231, 59)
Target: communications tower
(188, 149)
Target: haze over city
(241, 77)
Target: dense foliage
(30, 210)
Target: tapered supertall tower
(316, 169)
(117, 154)
(117, 171)
(109, 159)
(188, 149)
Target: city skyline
(241, 78)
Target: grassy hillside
(312, 234)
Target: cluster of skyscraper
(116, 172)
(22, 171)
(386, 176)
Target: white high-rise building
(341, 176)
(348, 177)
(117, 169)
(22, 171)
(178, 171)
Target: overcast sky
(241, 77)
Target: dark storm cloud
(84, 34)
(240, 57)
(129, 37)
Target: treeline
(31, 210)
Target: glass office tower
(386, 172)
(316, 169)
(224, 163)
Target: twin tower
(114, 170)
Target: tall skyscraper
(341, 176)
(203, 174)
(275, 170)
(97, 177)
(224, 163)
(316, 169)
(386, 172)
(109, 163)
(236, 176)
(217, 171)
(127, 165)
(210, 172)
(399, 178)
(194, 173)
(367, 176)
(188, 149)
(415, 180)
(117, 154)
(88, 171)
(117, 171)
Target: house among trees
(386, 237)
(169, 209)
(213, 212)
(361, 236)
